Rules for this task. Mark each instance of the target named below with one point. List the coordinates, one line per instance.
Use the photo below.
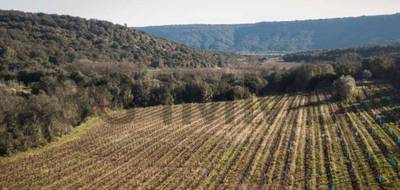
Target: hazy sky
(161, 12)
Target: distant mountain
(286, 36)
(53, 39)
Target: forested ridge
(28, 38)
(286, 36)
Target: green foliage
(162, 95)
(197, 91)
(56, 71)
(51, 39)
(30, 122)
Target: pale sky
(163, 12)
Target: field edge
(75, 134)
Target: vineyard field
(292, 141)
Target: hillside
(56, 71)
(286, 36)
(27, 38)
(291, 141)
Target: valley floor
(296, 141)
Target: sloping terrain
(57, 70)
(301, 141)
(53, 39)
(286, 36)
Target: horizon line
(209, 24)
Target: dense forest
(286, 36)
(52, 39)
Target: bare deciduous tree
(345, 87)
